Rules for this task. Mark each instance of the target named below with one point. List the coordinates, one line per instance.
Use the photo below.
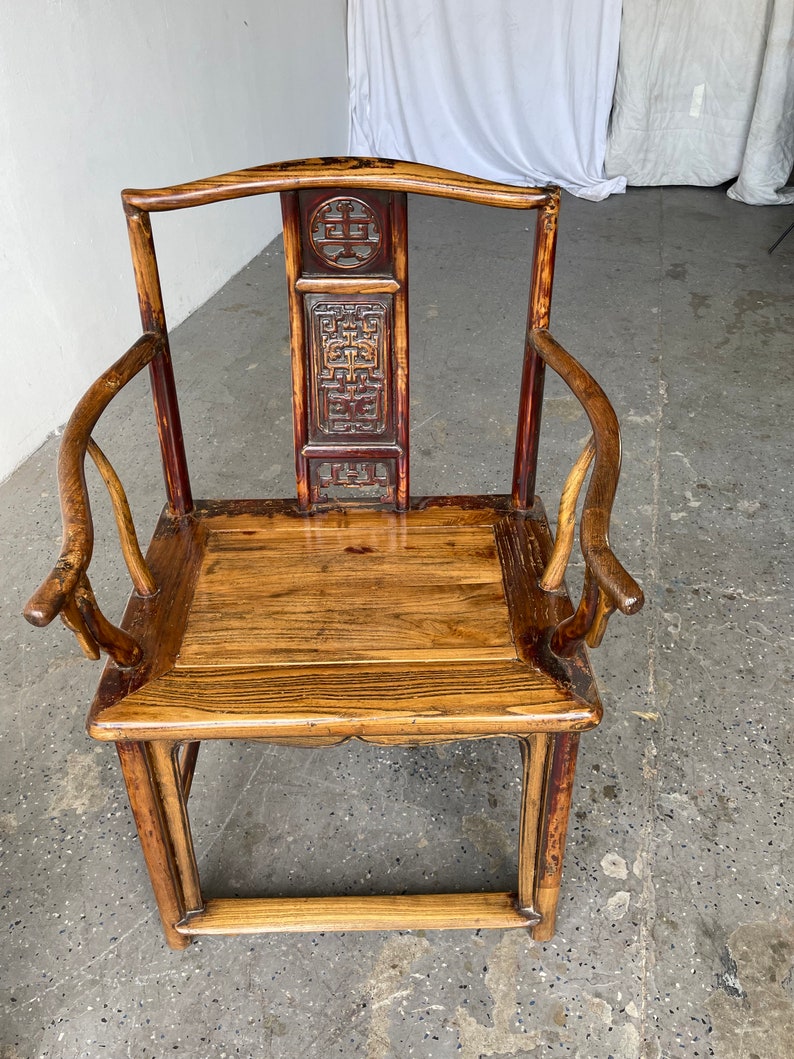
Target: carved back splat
(347, 277)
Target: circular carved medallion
(345, 232)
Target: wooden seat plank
(305, 593)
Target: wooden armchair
(354, 610)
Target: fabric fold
(518, 92)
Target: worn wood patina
(354, 610)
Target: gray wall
(101, 95)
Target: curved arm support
(136, 564)
(607, 585)
(64, 589)
(75, 623)
(604, 610)
(566, 520)
(121, 647)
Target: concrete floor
(675, 928)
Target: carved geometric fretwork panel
(347, 278)
(367, 478)
(349, 366)
(345, 232)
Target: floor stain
(386, 986)
(502, 979)
(753, 1009)
(9, 824)
(728, 979)
(274, 1027)
(752, 304)
(82, 789)
(618, 904)
(488, 837)
(699, 302)
(614, 866)
(565, 408)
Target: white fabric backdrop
(705, 92)
(518, 91)
(769, 153)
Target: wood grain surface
(384, 618)
(391, 912)
(350, 622)
(300, 595)
(303, 173)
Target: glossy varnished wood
(161, 372)
(78, 528)
(157, 849)
(604, 574)
(553, 829)
(312, 621)
(347, 274)
(304, 173)
(472, 701)
(140, 573)
(535, 759)
(351, 914)
(294, 593)
(554, 573)
(285, 631)
(525, 459)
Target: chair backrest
(345, 242)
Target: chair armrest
(608, 585)
(66, 589)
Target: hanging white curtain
(705, 92)
(517, 91)
(769, 151)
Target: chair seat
(289, 626)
